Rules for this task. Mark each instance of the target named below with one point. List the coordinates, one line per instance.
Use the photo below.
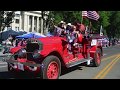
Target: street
(109, 68)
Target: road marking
(104, 59)
(99, 75)
(108, 70)
(102, 71)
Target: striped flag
(91, 15)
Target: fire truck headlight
(36, 54)
(22, 53)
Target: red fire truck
(46, 56)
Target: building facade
(30, 21)
(16, 22)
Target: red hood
(50, 40)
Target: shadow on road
(26, 75)
(6, 75)
(18, 75)
(68, 70)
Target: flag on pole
(101, 31)
(91, 15)
(84, 13)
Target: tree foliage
(110, 20)
(6, 18)
(114, 27)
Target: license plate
(20, 66)
(94, 42)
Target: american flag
(91, 15)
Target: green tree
(1, 19)
(103, 20)
(6, 18)
(67, 16)
(113, 30)
(110, 20)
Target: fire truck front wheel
(51, 68)
(96, 61)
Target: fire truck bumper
(23, 65)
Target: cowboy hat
(62, 22)
(69, 24)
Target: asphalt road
(109, 68)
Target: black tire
(46, 62)
(101, 52)
(94, 62)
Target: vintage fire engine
(46, 56)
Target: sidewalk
(3, 55)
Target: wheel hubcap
(53, 70)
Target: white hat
(62, 22)
(69, 24)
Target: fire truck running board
(78, 62)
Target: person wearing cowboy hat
(61, 29)
(62, 25)
(69, 24)
(68, 28)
